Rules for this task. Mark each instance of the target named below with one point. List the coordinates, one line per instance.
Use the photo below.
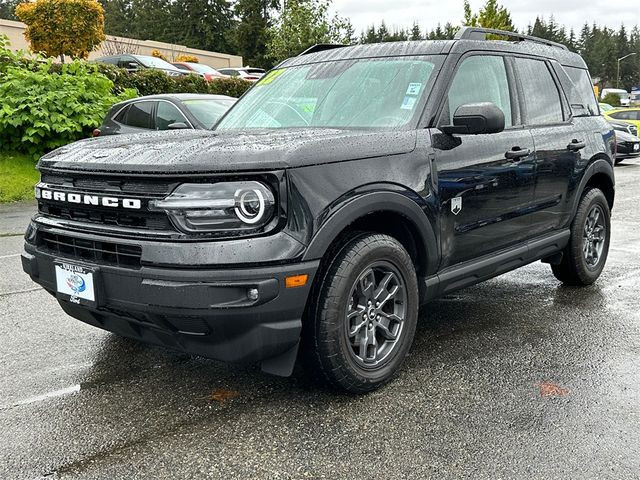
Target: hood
(625, 137)
(185, 151)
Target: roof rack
(479, 33)
(321, 47)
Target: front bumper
(204, 311)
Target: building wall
(114, 45)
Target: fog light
(252, 294)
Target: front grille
(99, 252)
(120, 218)
(136, 220)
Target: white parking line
(39, 398)
(27, 290)
(10, 256)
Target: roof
(179, 96)
(437, 47)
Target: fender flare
(597, 166)
(373, 202)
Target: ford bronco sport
(349, 186)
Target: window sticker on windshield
(414, 88)
(271, 76)
(408, 103)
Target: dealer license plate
(76, 282)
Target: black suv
(348, 187)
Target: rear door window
(140, 115)
(481, 78)
(543, 103)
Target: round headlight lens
(250, 205)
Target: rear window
(543, 104)
(586, 98)
(139, 115)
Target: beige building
(116, 45)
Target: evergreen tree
(8, 8)
(250, 37)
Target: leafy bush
(158, 54)
(234, 87)
(45, 107)
(190, 84)
(612, 99)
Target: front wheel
(363, 321)
(586, 254)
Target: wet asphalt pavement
(519, 377)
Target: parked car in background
(624, 96)
(605, 107)
(165, 112)
(625, 127)
(628, 146)
(246, 73)
(133, 63)
(209, 73)
(626, 115)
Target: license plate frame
(76, 283)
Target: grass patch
(18, 175)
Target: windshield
(153, 62)
(366, 93)
(208, 112)
(202, 68)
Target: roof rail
(479, 33)
(321, 47)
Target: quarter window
(541, 96)
(168, 114)
(139, 115)
(480, 78)
(584, 89)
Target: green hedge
(154, 82)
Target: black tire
(577, 266)
(331, 350)
(617, 161)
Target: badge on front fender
(456, 205)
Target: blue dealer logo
(76, 283)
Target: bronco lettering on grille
(87, 199)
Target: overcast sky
(573, 13)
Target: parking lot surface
(519, 377)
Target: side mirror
(475, 119)
(177, 126)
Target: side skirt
(475, 271)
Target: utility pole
(618, 74)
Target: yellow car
(627, 115)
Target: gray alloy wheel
(375, 314)
(595, 235)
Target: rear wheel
(363, 321)
(586, 254)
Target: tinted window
(139, 115)
(167, 114)
(541, 96)
(121, 117)
(584, 88)
(621, 115)
(232, 73)
(480, 79)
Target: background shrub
(612, 99)
(45, 107)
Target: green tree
(251, 33)
(63, 27)
(491, 15)
(302, 24)
(416, 33)
(8, 9)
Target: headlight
(219, 207)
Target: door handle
(516, 153)
(576, 145)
